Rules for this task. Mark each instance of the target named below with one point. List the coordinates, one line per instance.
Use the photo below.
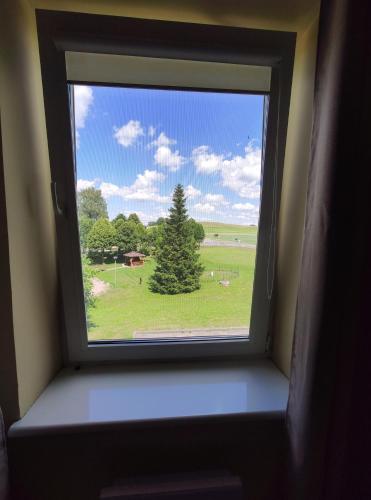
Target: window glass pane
(168, 189)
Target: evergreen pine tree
(178, 269)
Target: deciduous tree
(134, 218)
(91, 204)
(119, 217)
(85, 225)
(102, 236)
(127, 238)
(197, 229)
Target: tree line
(101, 239)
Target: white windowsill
(99, 397)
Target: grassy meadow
(230, 232)
(130, 306)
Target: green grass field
(230, 232)
(132, 307)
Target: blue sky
(137, 144)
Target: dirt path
(99, 287)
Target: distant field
(131, 306)
(230, 232)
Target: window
(133, 148)
(166, 175)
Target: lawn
(230, 232)
(130, 306)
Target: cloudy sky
(137, 144)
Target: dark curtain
(328, 415)
(3, 461)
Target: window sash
(255, 344)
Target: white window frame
(194, 65)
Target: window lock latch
(59, 210)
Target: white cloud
(151, 130)
(240, 174)
(153, 215)
(108, 190)
(244, 206)
(206, 161)
(209, 204)
(83, 96)
(144, 188)
(204, 207)
(129, 133)
(167, 158)
(245, 190)
(248, 212)
(219, 199)
(164, 156)
(148, 195)
(148, 178)
(162, 140)
(84, 184)
(83, 100)
(191, 192)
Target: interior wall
(293, 197)
(27, 174)
(31, 233)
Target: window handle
(57, 207)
